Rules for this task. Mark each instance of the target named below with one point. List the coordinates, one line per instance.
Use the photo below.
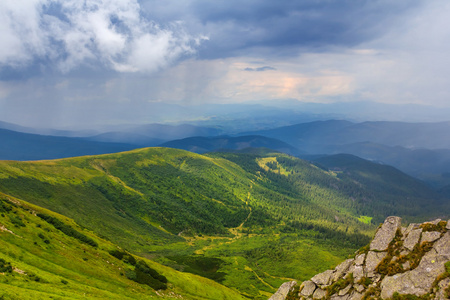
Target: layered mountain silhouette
(420, 149)
(26, 146)
(207, 144)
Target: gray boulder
(359, 259)
(319, 294)
(337, 297)
(430, 236)
(372, 261)
(355, 296)
(412, 239)
(441, 294)
(410, 227)
(283, 291)
(323, 278)
(419, 281)
(341, 269)
(385, 234)
(307, 288)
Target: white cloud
(20, 32)
(70, 33)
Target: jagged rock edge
(400, 261)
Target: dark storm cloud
(237, 28)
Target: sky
(66, 62)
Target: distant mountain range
(381, 177)
(208, 144)
(429, 165)
(129, 134)
(419, 149)
(319, 136)
(26, 146)
(47, 131)
(154, 134)
(31, 146)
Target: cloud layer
(61, 58)
(71, 33)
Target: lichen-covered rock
(372, 261)
(410, 227)
(443, 285)
(442, 247)
(341, 269)
(319, 294)
(403, 230)
(356, 296)
(414, 265)
(435, 222)
(359, 259)
(385, 234)
(283, 291)
(359, 288)
(412, 239)
(337, 297)
(358, 272)
(323, 278)
(307, 288)
(345, 290)
(406, 265)
(375, 278)
(419, 281)
(430, 236)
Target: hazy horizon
(229, 117)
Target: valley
(39, 260)
(248, 221)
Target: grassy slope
(175, 190)
(50, 264)
(263, 217)
(399, 193)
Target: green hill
(242, 220)
(384, 186)
(48, 256)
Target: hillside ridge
(45, 255)
(410, 262)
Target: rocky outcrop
(400, 262)
(385, 234)
(283, 291)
